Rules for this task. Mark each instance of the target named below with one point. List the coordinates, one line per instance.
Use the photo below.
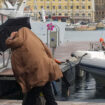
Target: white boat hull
(94, 63)
(97, 73)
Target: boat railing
(4, 56)
(95, 46)
(5, 59)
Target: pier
(62, 52)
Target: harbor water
(84, 35)
(85, 89)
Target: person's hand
(13, 35)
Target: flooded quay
(84, 89)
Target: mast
(73, 12)
(35, 9)
(43, 15)
(93, 10)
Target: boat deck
(7, 75)
(6, 72)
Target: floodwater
(84, 88)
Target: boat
(13, 11)
(69, 27)
(99, 26)
(94, 63)
(85, 28)
(80, 26)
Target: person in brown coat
(33, 66)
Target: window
(47, 7)
(60, 14)
(102, 13)
(83, 14)
(66, 14)
(77, 7)
(71, 14)
(53, 7)
(89, 7)
(65, 7)
(53, 14)
(89, 14)
(71, 7)
(59, 7)
(41, 6)
(77, 14)
(83, 7)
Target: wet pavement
(83, 90)
(88, 102)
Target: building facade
(31, 4)
(72, 9)
(100, 10)
(1, 3)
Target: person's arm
(16, 39)
(47, 51)
(12, 36)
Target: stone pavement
(64, 51)
(88, 102)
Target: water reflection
(85, 89)
(100, 93)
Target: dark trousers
(33, 94)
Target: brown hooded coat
(32, 62)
